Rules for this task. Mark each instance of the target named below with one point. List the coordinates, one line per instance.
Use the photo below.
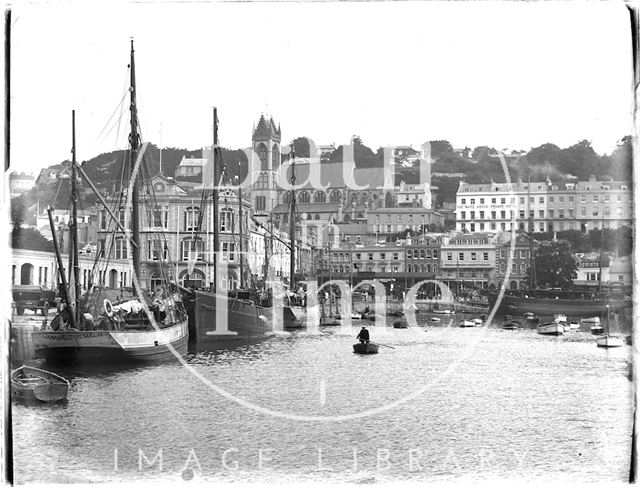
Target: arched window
(286, 198)
(319, 197)
(409, 269)
(275, 154)
(261, 149)
(194, 279)
(317, 217)
(388, 200)
(303, 197)
(26, 274)
(335, 197)
(346, 219)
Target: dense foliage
(554, 265)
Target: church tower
(266, 144)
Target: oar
(383, 345)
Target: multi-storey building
(188, 236)
(543, 206)
(513, 276)
(468, 260)
(388, 221)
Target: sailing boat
(608, 340)
(140, 328)
(329, 318)
(219, 315)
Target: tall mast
(292, 224)
(532, 268)
(216, 236)
(240, 228)
(601, 256)
(134, 141)
(74, 217)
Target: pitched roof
(331, 174)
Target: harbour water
(439, 404)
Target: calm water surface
(461, 403)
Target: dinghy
(365, 348)
(33, 384)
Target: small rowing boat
(29, 384)
(466, 323)
(365, 348)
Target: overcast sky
(509, 75)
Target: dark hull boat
(245, 319)
(575, 307)
(37, 385)
(365, 348)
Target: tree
(301, 147)
(620, 160)
(554, 264)
(440, 148)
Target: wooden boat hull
(554, 329)
(609, 341)
(597, 330)
(99, 345)
(35, 385)
(245, 319)
(552, 306)
(365, 348)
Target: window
(481, 225)
(473, 256)
(473, 201)
(607, 198)
(226, 220)
(157, 217)
(473, 215)
(619, 212)
(101, 245)
(583, 211)
(552, 199)
(493, 200)
(595, 198)
(409, 254)
(192, 249)
(481, 201)
(481, 214)
(461, 256)
(531, 214)
(541, 214)
(521, 200)
(531, 199)
(395, 256)
(229, 251)
(541, 226)
(522, 214)
(607, 211)
(358, 255)
(423, 254)
(571, 213)
(485, 256)
(493, 214)
(155, 248)
(583, 198)
(570, 198)
(370, 256)
(383, 255)
(463, 201)
(503, 200)
(449, 256)
(191, 218)
(121, 248)
(493, 226)
(463, 215)
(551, 214)
(541, 200)
(503, 214)
(595, 212)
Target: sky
(509, 75)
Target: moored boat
(365, 348)
(555, 302)
(466, 323)
(609, 341)
(33, 384)
(400, 324)
(117, 324)
(551, 328)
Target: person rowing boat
(363, 335)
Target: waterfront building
(385, 222)
(512, 276)
(189, 238)
(543, 206)
(468, 260)
(30, 267)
